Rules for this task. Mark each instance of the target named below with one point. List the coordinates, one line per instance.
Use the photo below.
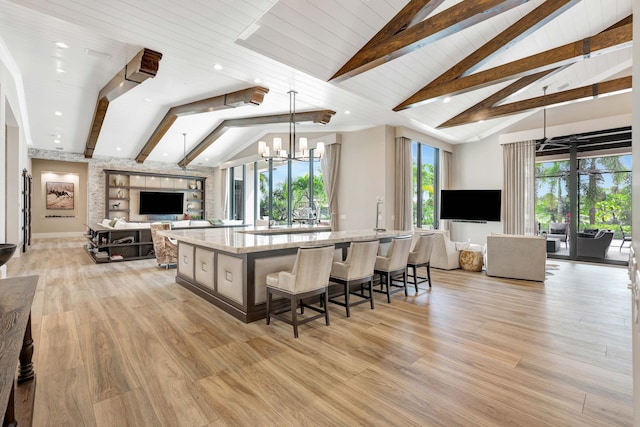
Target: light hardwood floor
(122, 344)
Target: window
(237, 180)
(291, 191)
(602, 196)
(425, 185)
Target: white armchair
(445, 254)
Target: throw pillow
(112, 223)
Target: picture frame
(59, 195)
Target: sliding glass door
(602, 212)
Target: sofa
(516, 257)
(445, 254)
(594, 247)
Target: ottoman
(553, 244)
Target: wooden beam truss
(143, 66)
(250, 96)
(318, 116)
(396, 39)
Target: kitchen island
(228, 267)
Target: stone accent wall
(96, 184)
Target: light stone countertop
(246, 240)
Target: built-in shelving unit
(122, 190)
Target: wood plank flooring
(122, 344)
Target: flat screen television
(470, 205)
(161, 203)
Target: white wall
(14, 187)
(366, 172)
(635, 226)
(477, 166)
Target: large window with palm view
(292, 192)
(425, 191)
(603, 200)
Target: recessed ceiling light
(58, 113)
(97, 53)
(118, 149)
(257, 80)
(147, 99)
(61, 45)
(165, 154)
(446, 99)
(480, 121)
(59, 70)
(347, 112)
(218, 67)
(206, 160)
(57, 141)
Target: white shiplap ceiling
(287, 44)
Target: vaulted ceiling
(458, 71)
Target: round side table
(471, 258)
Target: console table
(16, 297)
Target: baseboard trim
(57, 235)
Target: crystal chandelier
(301, 152)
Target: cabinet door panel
(185, 260)
(204, 267)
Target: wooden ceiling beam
(526, 25)
(452, 20)
(547, 100)
(318, 116)
(250, 96)
(615, 38)
(467, 115)
(143, 66)
(415, 11)
(514, 87)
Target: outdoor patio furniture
(625, 238)
(594, 247)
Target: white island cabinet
(228, 267)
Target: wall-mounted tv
(470, 205)
(161, 203)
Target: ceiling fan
(545, 142)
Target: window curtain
(330, 165)
(519, 187)
(403, 207)
(446, 160)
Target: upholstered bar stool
(165, 249)
(392, 265)
(356, 269)
(420, 256)
(309, 277)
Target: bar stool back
(357, 269)
(392, 265)
(309, 277)
(420, 256)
